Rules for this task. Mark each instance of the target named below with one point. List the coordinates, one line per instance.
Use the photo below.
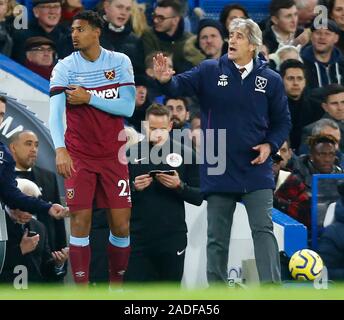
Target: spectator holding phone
(159, 189)
(28, 246)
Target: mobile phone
(31, 233)
(153, 173)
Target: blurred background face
(210, 41)
(141, 95)
(42, 55)
(3, 9)
(178, 111)
(288, 54)
(286, 20)
(286, 153)
(20, 217)
(158, 128)
(48, 14)
(323, 40)
(195, 123)
(337, 13)
(74, 4)
(335, 106)
(323, 157)
(307, 14)
(329, 131)
(233, 14)
(24, 150)
(118, 11)
(294, 83)
(165, 19)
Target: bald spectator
(40, 56)
(47, 14)
(24, 146)
(167, 33)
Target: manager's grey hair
(251, 29)
(321, 124)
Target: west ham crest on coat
(261, 84)
(110, 74)
(70, 194)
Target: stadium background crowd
(309, 60)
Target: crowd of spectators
(309, 58)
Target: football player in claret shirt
(95, 88)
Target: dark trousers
(258, 205)
(164, 264)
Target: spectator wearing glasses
(47, 15)
(167, 33)
(40, 56)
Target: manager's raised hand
(162, 72)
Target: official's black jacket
(158, 213)
(9, 193)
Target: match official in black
(157, 227)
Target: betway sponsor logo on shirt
(111, 93)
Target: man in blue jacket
(9, 193)
(240, 94)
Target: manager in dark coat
(240, 94)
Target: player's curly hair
(313, 141)
(92, 17)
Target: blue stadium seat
(89, 4)
(258, 9)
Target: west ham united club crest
(110, 74)
(261, 84)
(70, 194)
